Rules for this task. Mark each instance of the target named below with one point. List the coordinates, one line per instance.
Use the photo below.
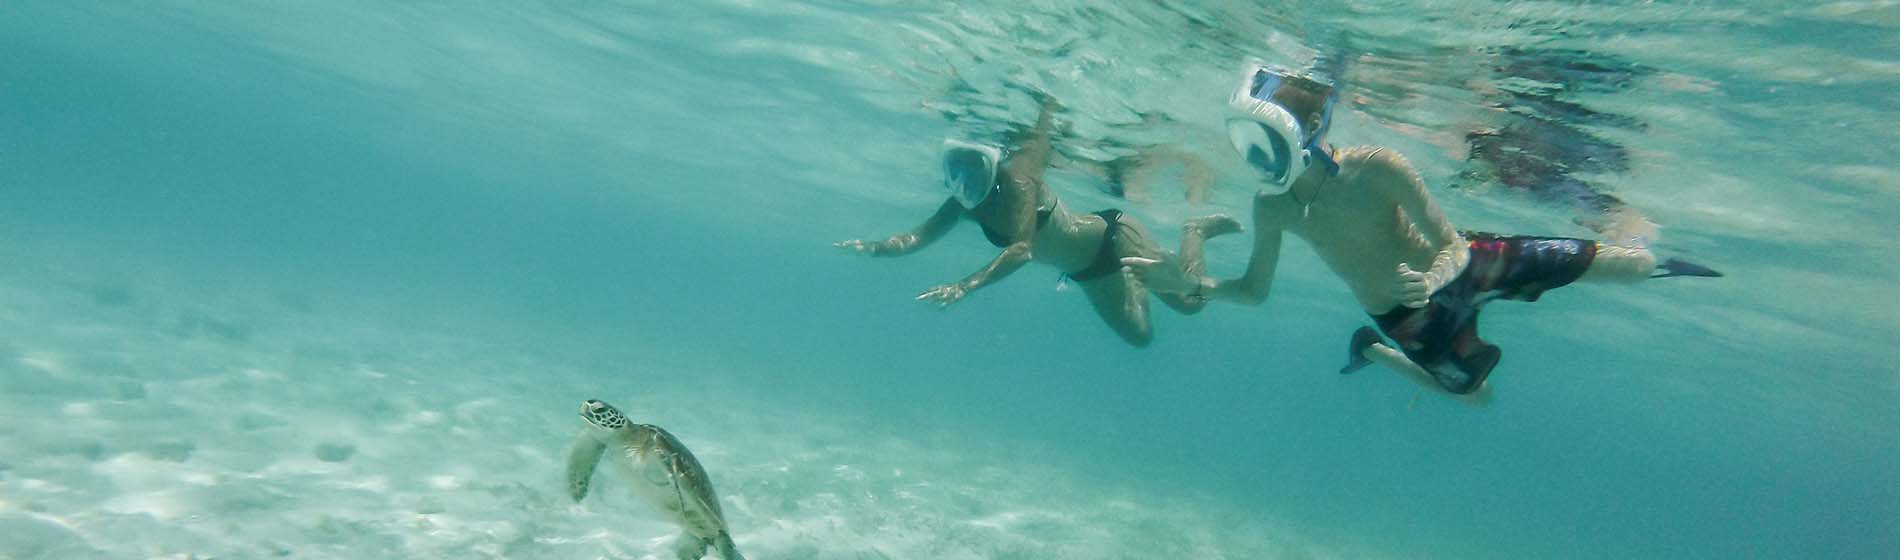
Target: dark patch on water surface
(1541, 147)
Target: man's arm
(1253, 286)
(1013, 257)
(1400, 182)
(905, 243)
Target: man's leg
(1617, 264)
(1475, 358)
(1620, 265)
(1368, 346)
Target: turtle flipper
(723, 545)
(581, 460)
(689, 546)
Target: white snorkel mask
(1269, 138)
(969, 171)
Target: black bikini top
(1000, 240)
(1045, 207)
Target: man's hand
(1411, 289)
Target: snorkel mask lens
(1268, 138)
(1266, 152)
(969, 171)
(1263, 84)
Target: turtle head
(602, 416)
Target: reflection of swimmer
(1131, 167)
(1370, 218)
(1005, 195)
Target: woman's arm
(905, 243)
(1019, 211)
(1012, 258)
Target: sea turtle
(660, 470)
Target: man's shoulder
(1376, 166)
(1370, 157)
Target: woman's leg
(1123, 304)
(1193, 261)
(1133, 240)
(1197, 231)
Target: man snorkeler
(1005, 195)
(1370, 218)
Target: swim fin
(1477, 366)
(1363, 338)
(1679, 267)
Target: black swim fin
(1679, 267)
(1363, 338)
(1477, 367)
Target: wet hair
(1305, 98)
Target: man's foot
(1362, 339)
(1679, 267)
(1211, 226)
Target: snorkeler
(1368, 215)
(1005, 195)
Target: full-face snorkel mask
(1268, 137)
(969, 171)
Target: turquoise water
(329, 280)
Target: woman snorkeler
(1005, 195)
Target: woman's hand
(945, 295)
(897, 245)
(858, 246)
